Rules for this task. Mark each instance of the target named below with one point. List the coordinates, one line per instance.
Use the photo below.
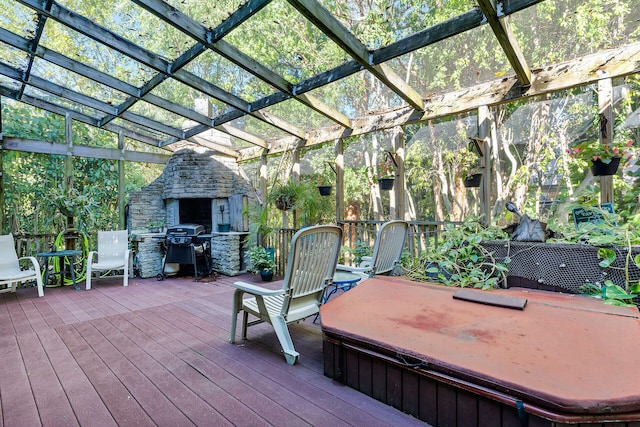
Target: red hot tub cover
(569, 354)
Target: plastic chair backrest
(8, 255)
(112, 245)
(388, 246)
(313, 256)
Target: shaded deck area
(156, 353)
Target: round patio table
(66, 258)
(342, 280)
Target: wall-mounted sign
(592, 215)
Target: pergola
(76, 83)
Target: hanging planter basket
(472, 181)
(283, 203)
(386, 183)
(599, 168)
(325, 190)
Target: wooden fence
(421, 235)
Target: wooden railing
(31, 244)
(28, 244)
(422, 234)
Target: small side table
(66, 257)
(342, 280)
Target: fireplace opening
(196, 211)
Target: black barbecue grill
(187, 244)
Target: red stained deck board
(166, 333)
(565, 352)
(119, 401)
(81, 394)
(138, 386)
(14, 383)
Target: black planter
(599, 168)
(284, 204)
(386, 183)
(266, 275)
(325, 190)
(224, 228)
(473, 180)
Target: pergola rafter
(201, 39)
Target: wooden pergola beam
(61, 149)
(130, 49)
(581, 71)
(206, 39)
(333, 28)
(502, 31)
(83, 118)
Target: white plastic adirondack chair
(387, 250)
(10, 271)
(312, 260)
(112, 254)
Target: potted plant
(386, 176)
(223, 227)
(155, 225)
(261, 262)
(285, 196)
(472, 179)
(460, 260)
(605, 158)
(618, 255)
(323, 186)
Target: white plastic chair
(11, 274)
(312, 260)
(112, 255)
(387, 251)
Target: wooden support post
(295, 176)
(263, 187)
(1, 173)
(68, 160)
(121, 163)
(484, 134)
(399, 187)
(605, 105)
(339, 147)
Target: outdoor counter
(564, 358)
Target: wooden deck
(157, 353)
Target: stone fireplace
(197, 186)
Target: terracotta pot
(386, 183)
(473, 180)
(599, 168)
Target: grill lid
(186, 230)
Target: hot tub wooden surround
(563, 359)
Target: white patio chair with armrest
(11, 273)
(387, 251)
(112, 255)
(312, 260)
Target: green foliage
(34, 190)
(360, 250)
(260, 259)
(613, 231)
(460, 260)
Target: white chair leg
(237, 303)
(89, 273)
(282, 332)
(40, 285)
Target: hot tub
(561, 359)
